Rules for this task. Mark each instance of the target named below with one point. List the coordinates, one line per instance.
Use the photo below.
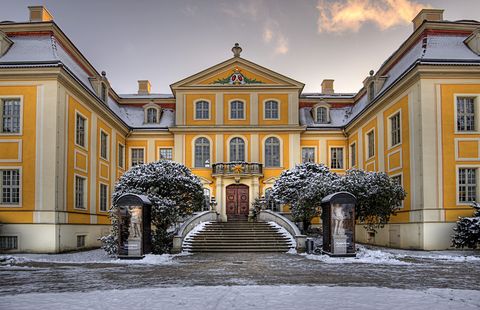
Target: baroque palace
(66, 136)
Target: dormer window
(152, 114)
(103, 92)
(371, 91)
(322, 113)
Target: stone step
(211, 249)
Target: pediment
(236, 73)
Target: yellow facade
(425, 157)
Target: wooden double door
(237, 201)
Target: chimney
(144, 87)
(327, 87)
(39, 13)
(434, 15)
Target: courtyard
(378, 276)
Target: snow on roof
(149, 96)
(338, 118)
(326, 96)
(134, 116)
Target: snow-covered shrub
(174, 192)
(303, 188)
(378, 196)
(467, 231)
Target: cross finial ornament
(236, 50)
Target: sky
(307, 40)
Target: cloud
(281, 46)
(267, 35)
(350, 15)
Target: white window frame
(330, 149)
(400, 174)
(265, 152)
(245, 143)
(210, 151)
(367, 144)
(457, 182)
(160, 148)
(477, 113)
(318, 106)
(195, 110)
(20, 189)
(121, 164)
(350, 161)
(15, 97)
(100, 197)
(230, 110)
(131, 153)
(390, 129)
(314, 152)
(85, 147)
(107, 147)
(265, 118)
(85, 192)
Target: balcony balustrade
(234, 169)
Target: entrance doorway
(237, 202)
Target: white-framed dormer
(151, 113)
(203, 105)
(271, 114)
(321, 113)
(236, 107)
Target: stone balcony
(237, 169)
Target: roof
(146, 96)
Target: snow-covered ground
(85, 257)
(249, 297)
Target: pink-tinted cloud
(350, 15)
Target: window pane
(467, 184)
(371, 144)
(137, 157)
(11, 115)
(202, 110)
(271, 110)
(466, 114)
(151, 115)
(10, 185)
(353, 154)
(237, 110)
(395, 129)
(166, 154)
(80, 130)
(308, 155)
(322, 115)
(103, 197)
(336, 158)
(202, 152)
(121, 155)
(237, 149)
(103, 145)
(272, 152)
(79, 192)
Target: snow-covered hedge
(174, 192)
(304, 186)
(467, 231)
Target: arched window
(202, 110)
(322, 115)
(237, 149)
(237, 110)
(271, 110)
(152, 116)
(272, 152)
(202, 152)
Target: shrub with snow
(467, 231)
(304, 187)
(174, 192)
(378, 196)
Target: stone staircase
(237, 236)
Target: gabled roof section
(237, 73)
